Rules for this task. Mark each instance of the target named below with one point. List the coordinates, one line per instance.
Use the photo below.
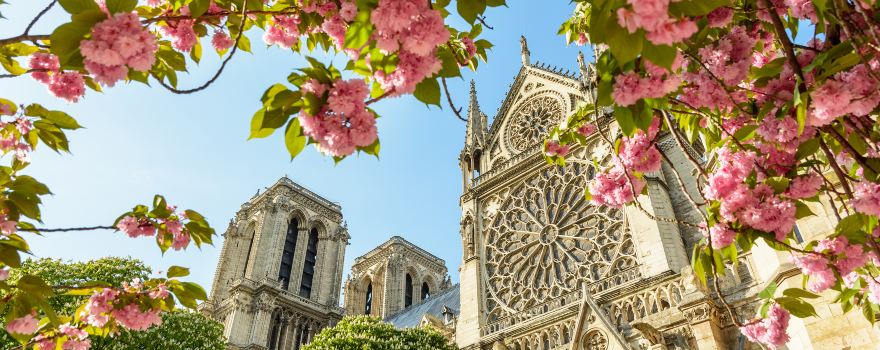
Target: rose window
(532, 122)
(546, 238)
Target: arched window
(274, 332)
(287, 254)
(305, 288)
(407, 297)
(247, 257)
(368, 300)
(426, 291)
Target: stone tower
(278, 279)
(392, 277)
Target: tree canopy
(370, 333)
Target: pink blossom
(72, 344)
(99, 304)
(770, 214)
(731, 171)
(335, 28)
(582, 39)
(221, 41)
(850, 92)
(720, 17)
(469, 47)
(866, 198)
(73, 332)
(180, 241)
(6, 109)
(771, 330)
(161, 292)
(7, 227)
(802, 9)
(804, 186)
(638, 153)
(653, 17)
(611, 188)
(411, 70)
(117, 44)
(816, 268)
(23, 125)
(587, 129)
(853, 257)
(348, 11)
(721, 234)
(629, 87)
(43, 61)
(778, 130)
(174, 226)
(284, 32)
(4, 274)
(134, 227)
(554, 149)
(182, 34)
(26, 324)
(45, 344)
(672, 32)
(69, 86)
(344, 123)
(132, 317)
(873, 291)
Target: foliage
(179, 329)
(370, 333)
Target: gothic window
(426, 291)
(546, 238)
(408, 294)
(287, 253)
(247, 257)
(368, 300)
(275, 332)
(305, 288)
(532, 122)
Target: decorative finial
(524, 47)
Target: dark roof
(411, 316)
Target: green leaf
(803, 210)
(160, 207)
(358, 33)
(293, 138)
(12, 106)
(693, 8)
(177, 271)
(76, 6)
(799, 293)
(661, 55)
(65, 41)
(199, 7)
(768, 291)
(60, 119)
(428, 91)
(624, 117)
(119, 6)
(469, 9)
(797, 307)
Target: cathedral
(542, 268)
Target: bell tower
(471, 158)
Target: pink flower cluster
(26, 324)
(845, 257)
(469, 48)
(804, 186)
(69, 86)
(554, 149)
(587, 129)
(611, 188)
(12, 143)
(414, 30)
(630, 87)
(721, 234)
(344, 123)
(284, 32)
(136, 227)
(637, 153)
(117, 44)
(771, 330)
(7, 227)
(729, 58)
(221, 41)
(77, 339)
(851, 92)
(102, 305)
(653, 17)
(867, 198)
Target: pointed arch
(408, 291)
(288, 251)
(308, 273)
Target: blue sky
(140, 141)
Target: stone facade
(278, 279)
(392, 277)
(542, 268)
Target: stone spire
(585, 71)
(524, 50)
(476, 120)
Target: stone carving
(546, 238)
(651, 334)
(595, 340)
(532, 122)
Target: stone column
(262, 321)
(302, 241)
(658, 243)
(340, 243)
(706, 325)
(259, 267)
(321, 256)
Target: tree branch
(457, 111)
(244, 19)
(68, 229)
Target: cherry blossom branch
(835, 167)
(786, 44)
(68, 229)
(380, 97)
(27, 29)
(23, 37)
(224, 13)
(683, 189)
(244, 19)
(482, 19)
(680, 144)
(457, 111)
(5, 76)
(849, 148)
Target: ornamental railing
(276, 287)
(565, 300)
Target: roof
(400, 240)
(411, 316)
